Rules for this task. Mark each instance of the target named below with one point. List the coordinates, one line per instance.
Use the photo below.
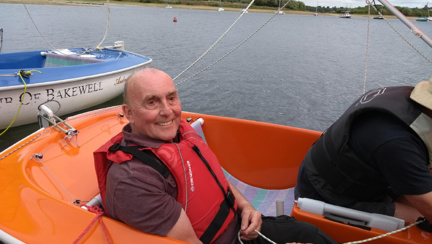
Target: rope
(26, 74)
(34, 24)
(399, 34)
(367, 50)
(38, 158)
(387, 234)
(23, 145)
(49, 44)
(216, 42)
(107, 25)
(353, 242)
(259, 233)
(232, 50)
(99, 213)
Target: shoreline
(160, 5)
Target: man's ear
(127, 112)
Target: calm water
(298, 70)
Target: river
(298, 70)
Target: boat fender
(425, 225)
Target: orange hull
(38, 193)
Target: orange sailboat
(49, 188)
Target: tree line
(293, 5)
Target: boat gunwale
(41, 81)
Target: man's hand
(250, 221)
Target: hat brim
(422, 95)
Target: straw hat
(422, 93)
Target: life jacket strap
(216, 224)
(144, 156)
(224, 208)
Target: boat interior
(60, 183)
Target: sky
(357, 3)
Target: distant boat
(279, 11)
(316, 10)
(345, 14)
(220, 6)
(167, 5)
(378, 17)
(244, 10)
(424, 18)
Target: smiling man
(160, 177)
(152, 105)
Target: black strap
(216, 224)
(144, 156)
(224, 208)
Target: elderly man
(163, 179)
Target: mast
(415, 30)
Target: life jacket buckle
(230, 198)
(114, 147)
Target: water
(298, 70)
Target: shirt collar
(140, 140)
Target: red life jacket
(204, 194)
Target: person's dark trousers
(285, 229)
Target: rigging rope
(367, 52)
(397, 32)
(216, 42)
(232, 50)
(34, 24)
(59, 50)
(107, 25)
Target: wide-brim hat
(422, 93)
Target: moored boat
(423, 19)
(67, 80)
(345, 15)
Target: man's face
(154, 108)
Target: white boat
(345, 14)
(66, 80)
(279, 11)
(424, 18)
(244, 10)
(220, 6)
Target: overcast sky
(357, 3)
